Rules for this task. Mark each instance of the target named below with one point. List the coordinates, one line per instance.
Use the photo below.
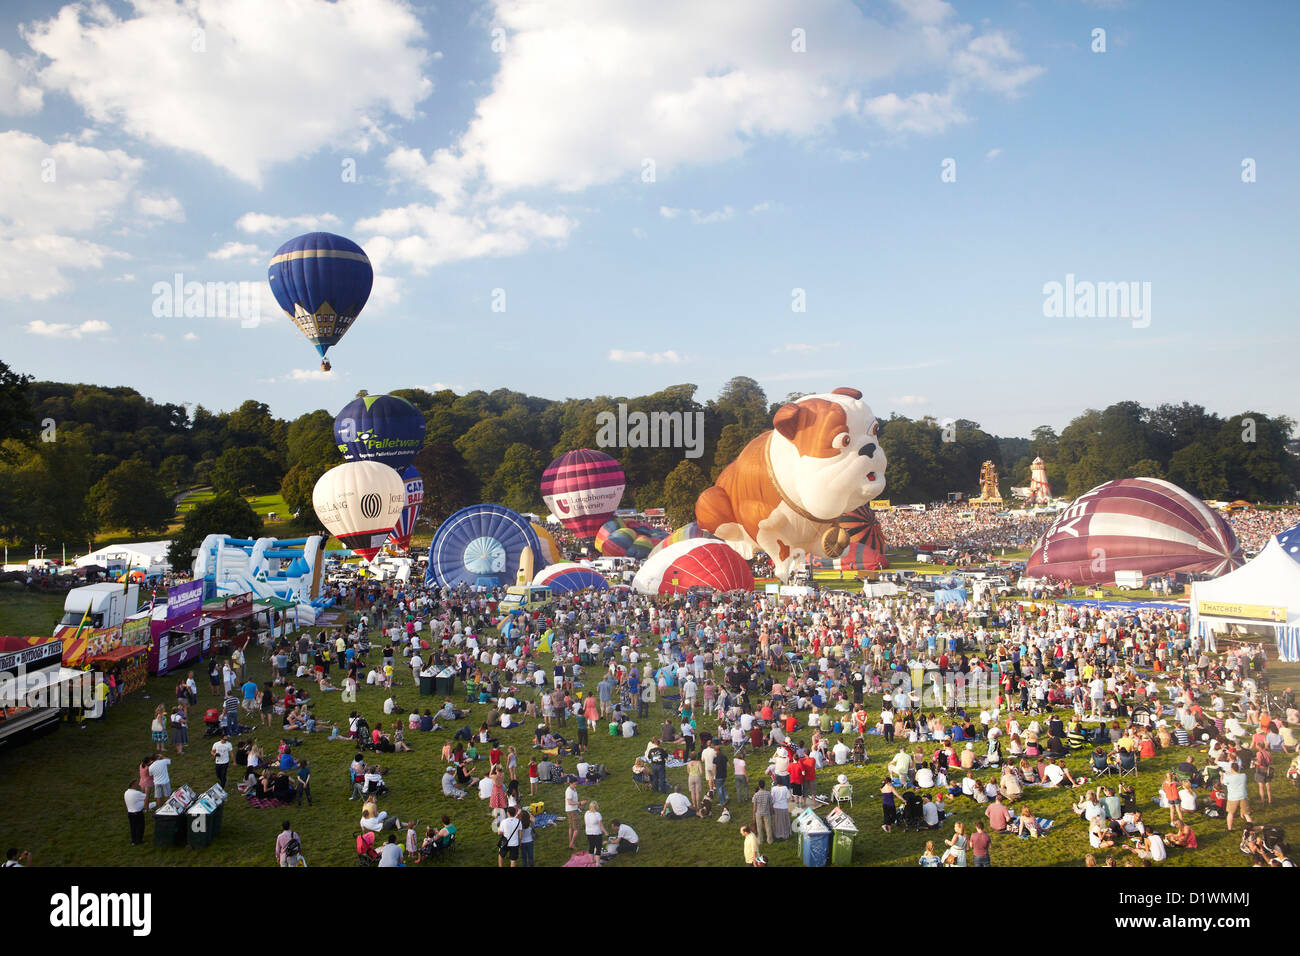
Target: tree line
(78, 459)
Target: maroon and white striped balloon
(1134, 524)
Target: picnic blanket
(263, 803)
(1043, 825)
(544, 820)
(673, 763)
(583, 859)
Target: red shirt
(494, 755)
(796, 771)
(809, 768)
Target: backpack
(293, 847)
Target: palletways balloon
(322, 282)
(360, 502)
(380, 427)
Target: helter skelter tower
(1039, 490)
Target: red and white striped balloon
(1134, 524)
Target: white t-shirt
(627, 834)
(1054, 774)
(925, 778)
(511, 829)
(842, 752)
(1157, 845)
(678, 803)
(135, 800)
(221, 751)
(592, 820)
(485, 788)
(160, 771)
(571, 799)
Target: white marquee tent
(150, 555)
(1263, 594)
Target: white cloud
(63, 330)
(707, 218)
(167, 208)
(909, 400)
(60, 187)
(851, 155)
(238, 250)
(35, 267)
(763, 206)
(638, 232)
(262, 222)
(19, 95)
(804, 347)
(272, 82)
(668, 212)
(310, 375)
(652, 358)
(420, 236)
(691, 99)
(993, 153)
(190, 337)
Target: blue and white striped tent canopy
(1270, 581)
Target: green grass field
(63, 794)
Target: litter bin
(445, 683)
(426, 685)
(845, 832)
(203, 827)
(815, 843)
(170, 829)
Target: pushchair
(212, 723)
(912, 814)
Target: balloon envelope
(380, 428)
(685, 533)
(322, 282)
(568, 576)
(360, 502)
(479, 545)
(550, 552)
(582, 488)
(619, 538)
(1134, 524)
(401, 534)
(700, 562)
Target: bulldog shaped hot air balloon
(322, 282)
(360, 502)
(1134, 524)
(582, 488)
(787, 490)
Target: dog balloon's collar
(835, 539)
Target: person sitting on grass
(676, 806)
(1184, 836)
(1026, 823)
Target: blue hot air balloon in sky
(481, 544)
(380, 428)
(322, 282)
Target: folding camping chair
(1128, 764)
(842, 793)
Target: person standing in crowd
(221, 751)
(136, 799)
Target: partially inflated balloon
(401, 533)
(360, 502)
(618, 538)
(697, 563)
(582, 488)
(380, 427)
(1134, 524)
(322, 282)
(480, 545)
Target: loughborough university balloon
(360, 502)
(1134, 524)
(322, 282)
(582, 488)
(380, 428)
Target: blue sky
(521, 168)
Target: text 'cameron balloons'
(479, 545)
(322, 282)
(582, 488)
(360, 502)
(380, 428)
(700, 562)
(401, 534)
(618, 538)
(565, 577)
(1134, 524)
